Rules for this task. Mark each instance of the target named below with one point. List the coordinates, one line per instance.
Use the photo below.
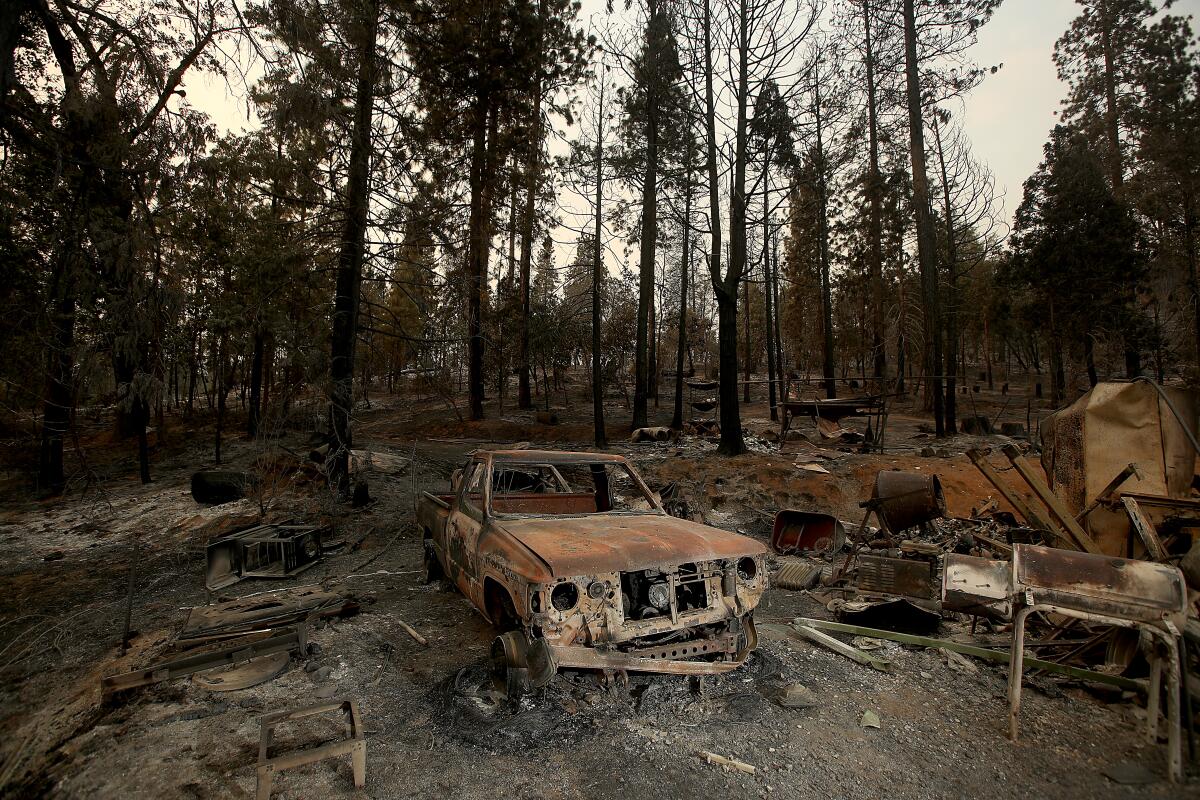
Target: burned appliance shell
(900, 576)
(263, 551)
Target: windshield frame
(574, 461)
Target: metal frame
(355, 744)
(1174, 739)
(262, 551)
(1082, 588)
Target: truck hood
(589, 545)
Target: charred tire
(431, 568)
(510, 664)
(747, 638)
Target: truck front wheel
(510, 664)
(431, 568)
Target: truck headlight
(747, 568)
(565, 596)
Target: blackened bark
(746, 337)
(350, 260)
(1189, 244)
(1089, 357)
(652, 355)
(532, 174)
(727, 341)
(59, 397)
(779, 363)
(254, 417)
(684, 267)
(219, 390)
(875, 215)
(926, 241)
(598, 280)
(767, 299)
(827, 356)
(726, 288)
(951, 289)
(1112, 118)
(649, 231)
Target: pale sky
(1008, 117)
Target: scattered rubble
(881, 644)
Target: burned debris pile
(1093, 572)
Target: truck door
(464, 525)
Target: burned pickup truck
(574, 559)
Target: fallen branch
(411, 631)
(731, 763)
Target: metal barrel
(905, 499)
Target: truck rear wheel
(510, 664)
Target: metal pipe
(1179, 417)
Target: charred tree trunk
(1089, 358)
(350, 260)
(684, 267)
(532, 175)
(652, 356)
(725, 287)
(477, 255)
(1189, 245)
(649, 234)
(254, 418)
(746, 338)
(875, 217)
(951, 289)
(827, 354)
(768, 304)
(781, 370)
(926, 241)
(1112, 118)
(59, 397)
(598, 281)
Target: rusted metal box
(902, 576)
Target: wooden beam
(1124, 475)
(1031, 516)
(1145, 529)
(1051, 500)
(838, 646)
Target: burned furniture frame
(355, 744)
(873, 407)
(263, 551)
(1150, 598)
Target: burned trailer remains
(585, 569)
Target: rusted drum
(905, 499)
